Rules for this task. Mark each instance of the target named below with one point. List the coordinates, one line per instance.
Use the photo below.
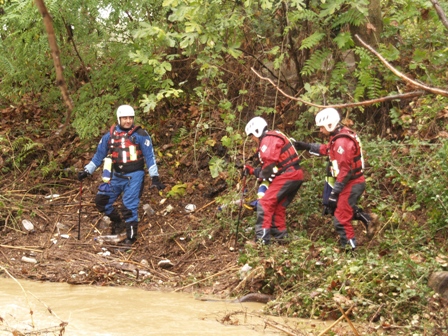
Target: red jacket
(345, 152)
(277, 154)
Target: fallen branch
(336, 322)
(363, 103)
(399, 74)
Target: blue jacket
(142, 139)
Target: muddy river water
(95, 311)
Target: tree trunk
(370, 32)
(60, 81)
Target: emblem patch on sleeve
(340, 150)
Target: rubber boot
(117, 225)
(131, 233)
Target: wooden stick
(209, 277)
(348, 320)
(203, 207)
(335, 322)
(179, 245)
(21, 248)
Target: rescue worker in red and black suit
(280, 166)
(348, 183)
(129, 147)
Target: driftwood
(438, 281)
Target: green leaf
(216, 166)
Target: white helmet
(329, 118)
(125, 111)
(256, 126)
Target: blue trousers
(130, 186)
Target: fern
(316, 62)
(22, 148)
(6, 65)
(352, 17)
(312, 41)
(368, 82)
(302, 15)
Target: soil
(174, 250)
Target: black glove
(333, 201)
(156, 183)
(299, 145)
(82, 175)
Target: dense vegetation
(206, 58)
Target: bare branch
(363, 103)
(440, 12)
(399, 74)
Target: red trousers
(345, 209)
(271, 208)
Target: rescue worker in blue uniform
(128, 147)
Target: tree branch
(399, 74)
(60, 81)
(363, 103)
(440, 12)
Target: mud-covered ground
(200, 257)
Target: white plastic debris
(111, 238)
(148, 210)
(65, 236)
(165, 263)
(168, 209)
(52, 196)
(27, 225)
(61, 226)
(190, 208)
(244, 270)
(29, 260)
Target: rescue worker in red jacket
(348, 183)
(280, 166)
